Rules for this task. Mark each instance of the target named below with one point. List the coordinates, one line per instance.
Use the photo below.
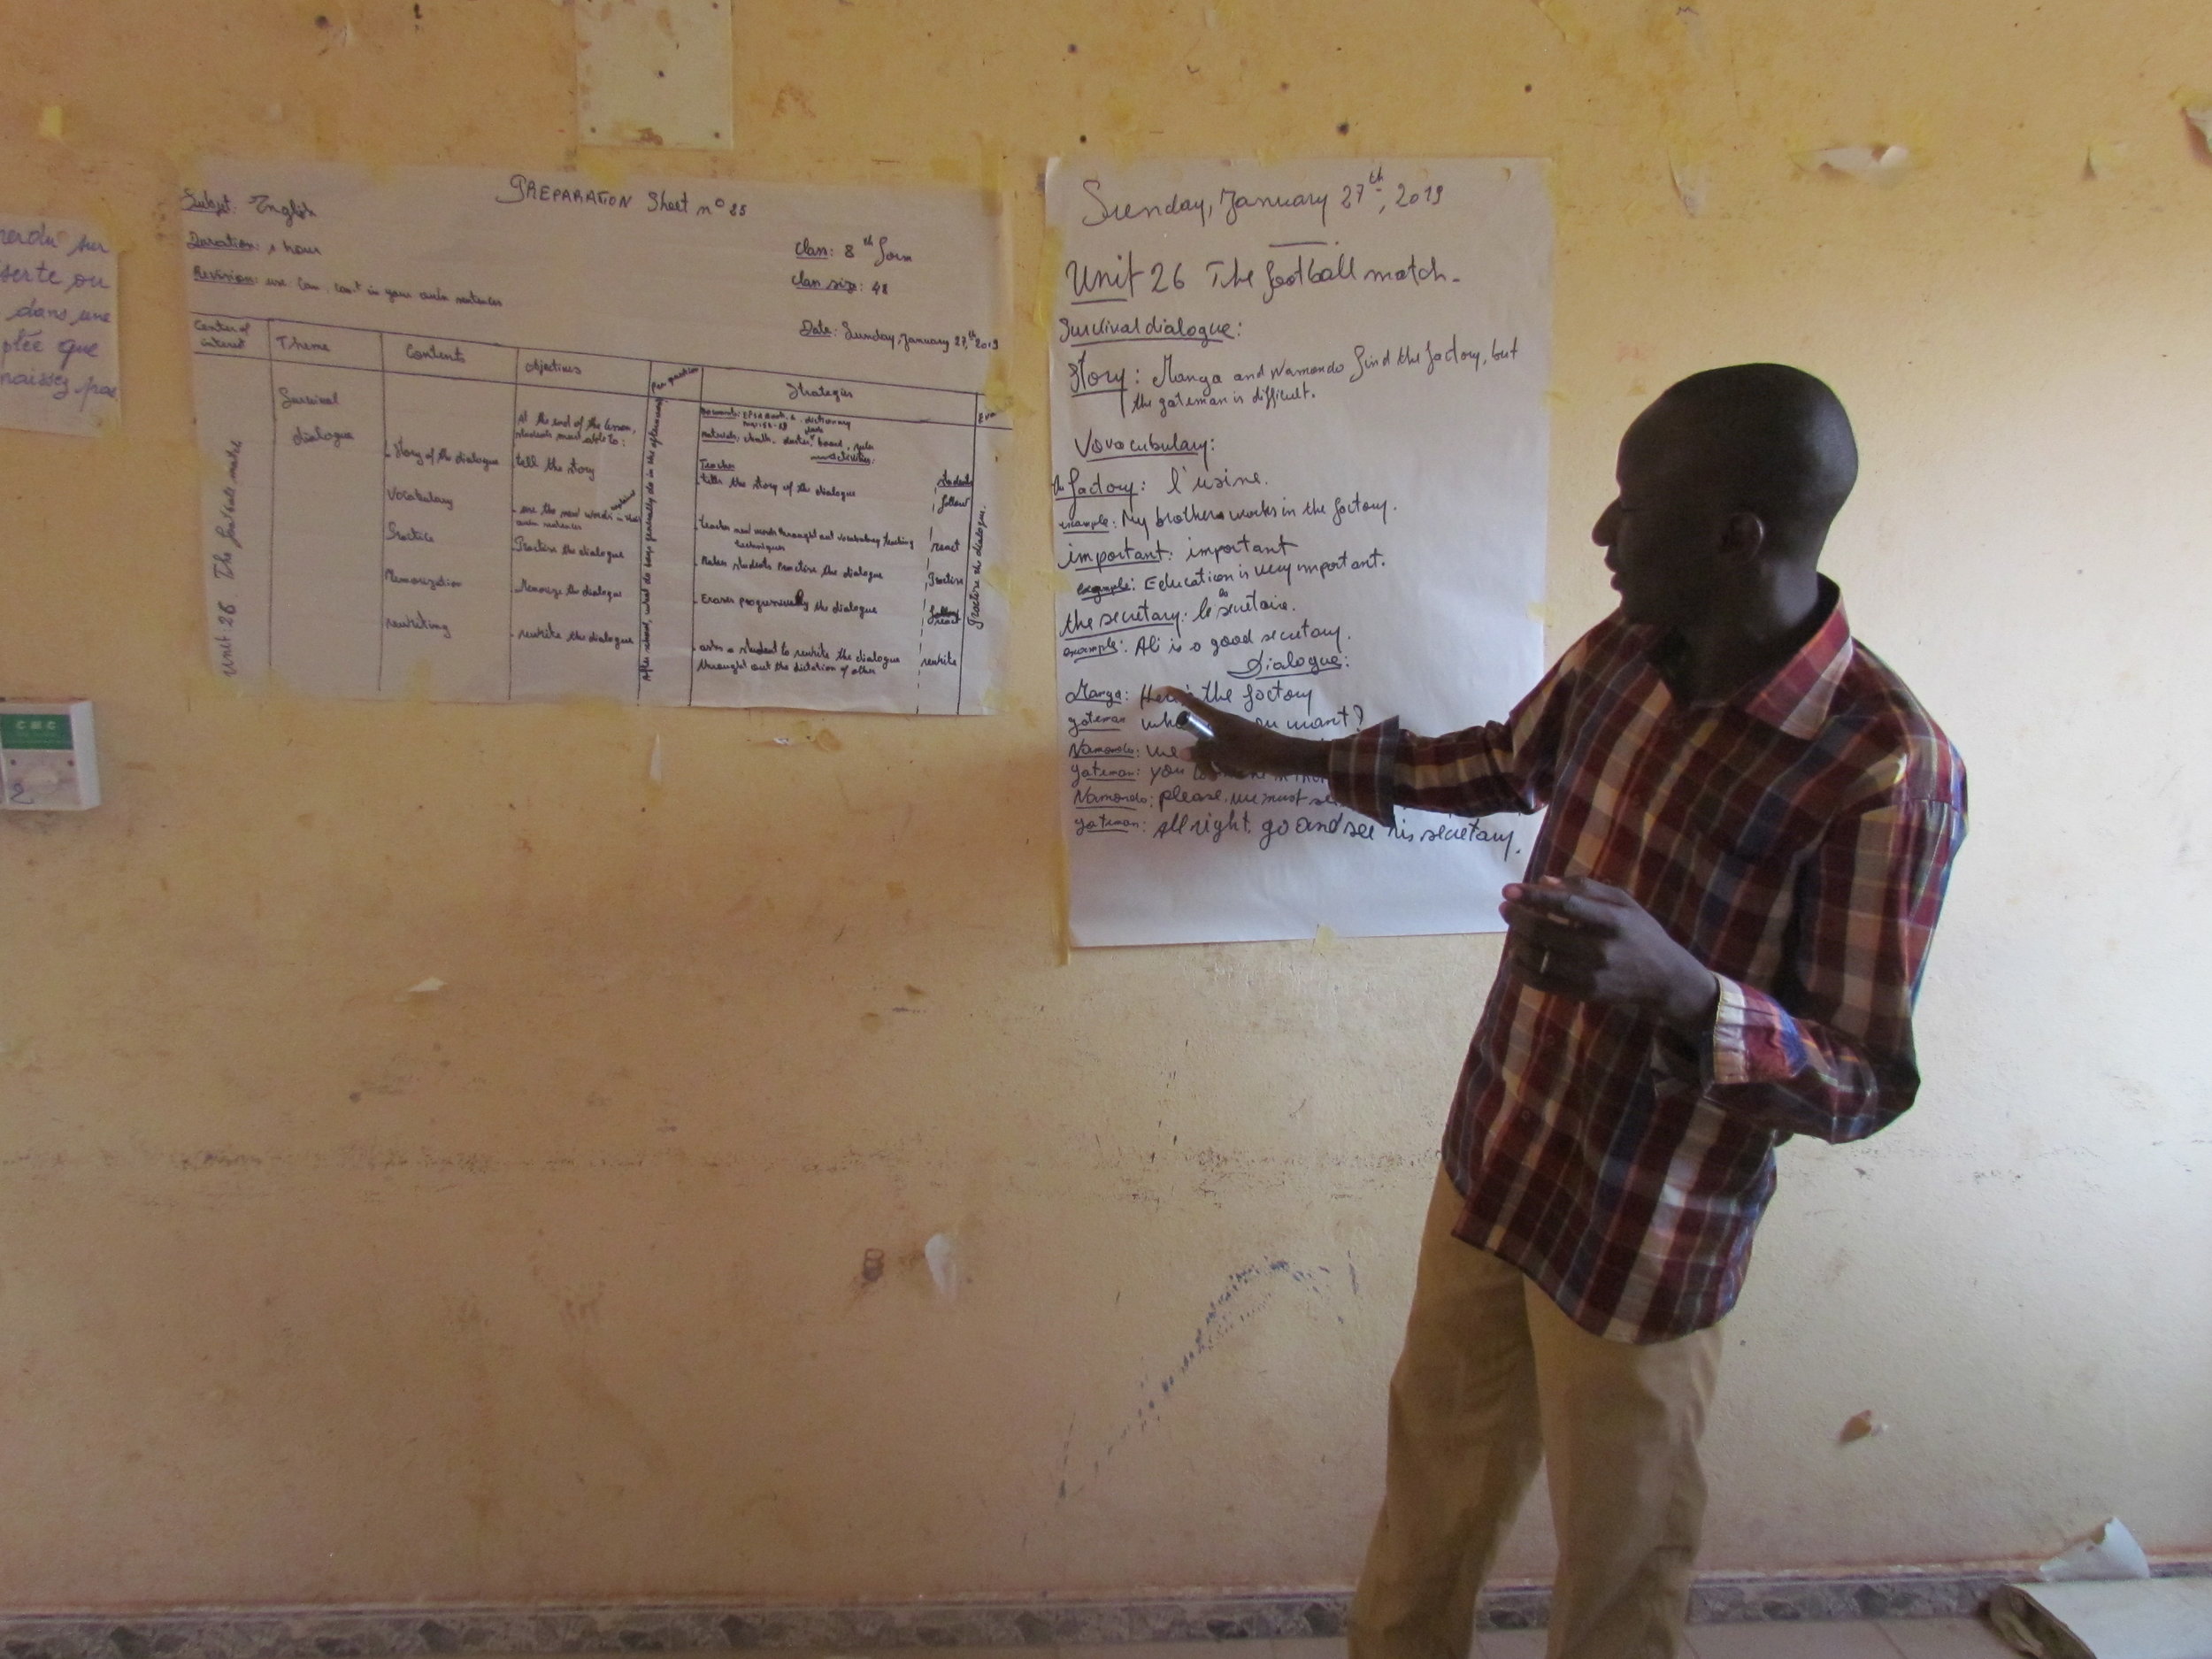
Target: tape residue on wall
(654, 73)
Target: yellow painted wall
(549, 1285)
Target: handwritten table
(486, 520)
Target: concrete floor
(1864, 1638)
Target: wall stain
(1250, 1291)
(611, 1412)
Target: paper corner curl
(2198, 112)
(1869, 164)
(1693, 184)
(2100, 161)
(659, 72)
(2109, 1552)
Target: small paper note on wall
(654, 72)
(57, 363)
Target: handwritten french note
(57, 365)
(1299, 468)
(491, 436)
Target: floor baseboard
(706, 1626)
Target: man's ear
(1743, 536)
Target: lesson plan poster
(1300, 460)
(492, 437)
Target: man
(1750, 824)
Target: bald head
(1774, 438)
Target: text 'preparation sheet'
(491, 436)
(1300, 452)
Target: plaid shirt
(1796, 838)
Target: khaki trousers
(1494, 1379)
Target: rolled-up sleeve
(1503, 767)
(1830, 1051)
(1364, 771)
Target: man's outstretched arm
(1229, 746)
(1504, 766)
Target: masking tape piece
(656, 71)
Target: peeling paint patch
(943, 1253)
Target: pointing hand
(1230, 746)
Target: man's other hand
(1230, 746)
(1579, 938)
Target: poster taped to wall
(1300, 455)
(58, 302)
(499, 436)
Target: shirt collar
(1795, 698)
